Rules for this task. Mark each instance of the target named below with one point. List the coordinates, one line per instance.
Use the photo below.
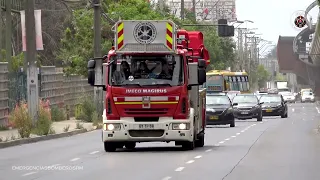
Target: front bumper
(308, 100)
(219, 119)
(162, 131)
(272, 111)
(246, 114)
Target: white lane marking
(292, 110)
(208, 150)
(75, 159)
(214, 145)
(243, 131)
(166, 178)
(94, 152)
(30, 173)
(189, 162)
(238, 134)
(197, 157)
(254, 124)
(227, 139)
(233, 136)
(303, 120)
(221, 142)
(179, 169)
(303, 107)
(261, 122)
(318, 110)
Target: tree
(280, 77)
(77, 43)
(262, 76)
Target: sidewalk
(58, 127)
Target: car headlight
(180, 126)
(111, 127)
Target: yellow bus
(222, 80)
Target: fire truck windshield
(147, 71)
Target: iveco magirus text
(152, 79)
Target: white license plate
(146, 126)
(244, 112)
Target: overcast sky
(272, 17)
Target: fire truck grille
(153, 111)
(146, 133)
(144, 48)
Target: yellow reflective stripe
(120, 39)
(169, 38)
(169, 27)
(170, 102)
(120, 27)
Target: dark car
(274, 105)
(247, 106)
(219, 110)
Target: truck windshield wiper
(131, 85)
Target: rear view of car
(289, 97)
(274, 105)
(307, 97)
(219, 110)
(247, 107)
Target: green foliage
(77, 44)
(280, 77)
(262, 76)
(21, 120)
(17, 61)
(44, 124)
(86, 109)
(57, 114)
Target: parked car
(289, 97)
(219, 110)
(247, 106)
(307, 97)
(274, 105)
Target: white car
(307, 97)
(289, 97)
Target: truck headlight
(180, 126)
(111, 127)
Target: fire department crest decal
(145, 32)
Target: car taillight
(184, 106)
(109, 109)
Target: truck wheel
(130, 145)
(188, 145)
(110, 146)
(200, 141)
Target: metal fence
(62, 91)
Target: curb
(41, 138)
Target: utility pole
(98, 92)
(194, 10)
(240, 48)
(182, 10)
(32, 71)
(9, 33)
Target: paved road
(276, 149)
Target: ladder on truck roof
(145, 36)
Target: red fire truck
(153, 76)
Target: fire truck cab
(152, 78)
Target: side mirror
(261, 103)
(285, 102)
(202, 63)
(201, 76)
(91, 72)
(235, 104)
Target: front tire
(200, 141)
(110, 146)
(188, 145)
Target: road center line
(166, 178)
(30, 173)
(189, 162)
(292, 110)
(233, 136)
(94, 152)
(243, 131)
(197, 157)
(208, 150)
(227, 139)
(75, 159)
(238, 134)
(179, 169)
(221, 142)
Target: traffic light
(224, 30)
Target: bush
(96, 119)
(57, 114)
(86, 109)
(43, 125)
(20, 119)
